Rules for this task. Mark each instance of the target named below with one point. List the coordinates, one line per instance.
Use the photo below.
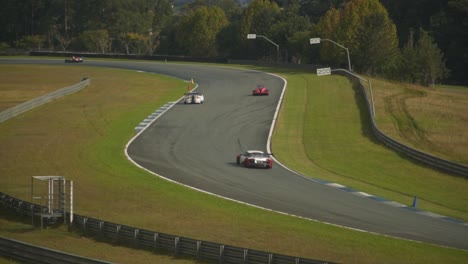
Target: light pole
(317, 41)
(254, 36)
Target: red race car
(74, 59)
(260, 90)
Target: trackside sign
(314, 40)
(323, 71)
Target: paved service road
(196, 145)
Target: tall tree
(198, 30)
(315, 9)
(300, 50)
(258, 18)
(377, 51)
(289, 22)
(449, 28)
(410, 66)
(230, 7)
(422, 62)
(411, 15)
(229, 43)
(364, 27)
(432, 59)
(163, 12)
(96, 40)
(326, 30)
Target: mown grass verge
(96, 123)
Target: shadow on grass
(12, 216)
(364, 113)
(30, 224)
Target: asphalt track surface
(196, 145)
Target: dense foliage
(419, 41)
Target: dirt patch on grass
(432, 120)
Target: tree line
(421, 41)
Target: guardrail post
(198, 248)
(135, 237)
(101, 229)
(32, 213)
(18, 208)
(221, 253)
(118, 233)
(85, 220)
(176, 245)
(155, 241)
(246, 254)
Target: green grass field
(326, 120)
(323, 122)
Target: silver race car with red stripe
(255, 159)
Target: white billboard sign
(323, 71)
(314, 40)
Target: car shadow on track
(234, 164)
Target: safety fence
(160, 242)
(23, 107)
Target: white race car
(255, 159)
(194, 98)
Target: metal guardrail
(155, 241)
(27, 253)
(421, 156)
(23, 107)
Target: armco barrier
(21, 108)
(27, 253)
(154, 241)
(178, 246)
(421, 156)
(426, 158)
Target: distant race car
(260, 90)
(194, 98)
(255, 159)
(74, 59)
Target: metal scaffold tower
(53, 199)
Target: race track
(196, 145)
